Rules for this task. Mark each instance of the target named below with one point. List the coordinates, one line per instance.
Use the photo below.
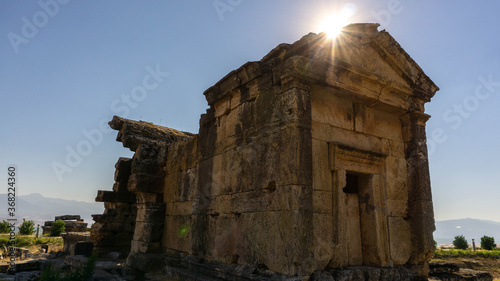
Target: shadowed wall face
(312, 157)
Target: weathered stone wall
(312, 158)
(248, 199)
(114, 229)
(263, 182)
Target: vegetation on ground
(28, 241)
(82, 273)
(4, 227)
(57, 228)
(460, 242)
(27, 227)
(488, 243)
(495, 254)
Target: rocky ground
(491, 265)
(112, 268)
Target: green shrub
(83, 273)
(27, 227)
(488, 243)
(4, 227)
(460, 242)
(57, 228)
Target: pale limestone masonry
(312, 158)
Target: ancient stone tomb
(314, 157)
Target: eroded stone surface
(313, 157)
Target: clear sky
(66, 67)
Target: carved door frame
(370, 166)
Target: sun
(332, 24)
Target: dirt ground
(36, 253)
(491, 265)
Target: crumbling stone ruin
(311, 162)
(73, 223)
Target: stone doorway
(356, 186)
(359, 216)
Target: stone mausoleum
(309, 164)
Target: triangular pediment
(361, 57)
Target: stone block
(222, 107)
(327, 133)
(396, 148)
(293, 107)
(385, 125)
(178, 208)
(322, 175)
(146, 262)
(26, 276)
(75, 261)
(122, 166)
(151, 212)
(322, 247)
(151, 183)
(289, 198)
(148, 232)
(349, 275)
(226, 237)
(177, 233)
(322, 201)
(330, 109)
(397, 208)
(295, 159)
(388, 274)
(321, 276)
(400, 240)
(187, 184)
(222, 204)
(111, 196)
(145, 247)
(235, 99)
(277, 239)
(251, 201)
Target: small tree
(27, 227)
(460, 242)
(488, 243)
(57, 228)
(4, 227)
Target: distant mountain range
(38, 208)
(469, 228)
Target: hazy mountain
(469, 228)
(38, 208)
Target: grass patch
(494, 254)
(29, 240)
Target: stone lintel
(115, 197)
(133, 133)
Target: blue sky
(66, 67)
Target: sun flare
(332, 26)
(333, 23)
